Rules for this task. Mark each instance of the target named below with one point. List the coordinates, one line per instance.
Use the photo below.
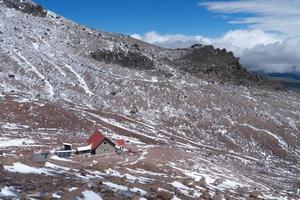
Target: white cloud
(237, 40)
(240, 40)
(137, 36)
(257, 49)
(171, 41)
(277, 15)
(277, 57)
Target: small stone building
(40, 156)
(83, 149)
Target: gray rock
(26, 7)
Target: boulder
(254, 195)
(134, 110)
(202, 183)
(163, 195)
(218, 196)
(82, 172)
(153, 188)
(205, 195)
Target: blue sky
(141, 16)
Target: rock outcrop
(204, 62)
(26, 7)
(127, 59)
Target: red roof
(120, 143)
(96, 139)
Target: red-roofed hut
(100, 144)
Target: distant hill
(290, 80)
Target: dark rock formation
(127, 59)
(221, 66)
(26, 7)
(134, 110)
(11, 75)
(205, 62)
(113, 93)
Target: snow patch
(72, 189)
(185, 190)
(124, 188)
(8, 142)
(56, 196)
(81, 80)
(281, 142)
(8, 192)
(61, 159)
(50, 89)
(142, 171)
(51, 165)
(12, 126)
(25, 169)
(90, 195)
(128, 177)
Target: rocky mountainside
(197, 124)
(204, 62)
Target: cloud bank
(258, 50)
(271, 42)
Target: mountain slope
(212, 119)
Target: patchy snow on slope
(116, 186)
(90, 195)
(124, 188)
(54, 195)
(35, 46)
(82, 82)
(72, 189)
(186, 190)
(9, 142)
(128, 177)
(8, 192)
(55, 157)
(228, 184)
(57, 67)
(13, 126)
(142, 157)
(25, 169)
(142, 171)
(51, 165)
(50, 89)
(212, 175)
(175, 198)
(280, 141)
